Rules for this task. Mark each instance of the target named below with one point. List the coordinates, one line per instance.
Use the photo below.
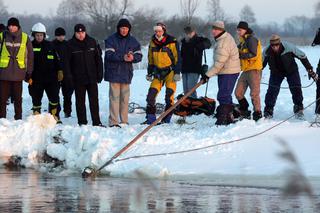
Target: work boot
(224, 115)
(150, 119)
(54, 111)
(36, 110)
(67, 115)
(298, 111)
(268, 112)
(257, 115)
(244, 112)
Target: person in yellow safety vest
(250, 52)
(47, 73)
(16, 65)
(163, 69)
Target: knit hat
(218, 25)
(275, 39)
(243, 25)
(59, 32)
(79, 28)
(124, 23)
(13, 22)
(160, 25)
(189, 29)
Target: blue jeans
(189, 80)
(274, 89)
(226, 84)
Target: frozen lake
(31, 191)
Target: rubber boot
(244, 112)
(224, 115)
(257, 115)
(268, 112)
(36, 110)
(298, 111)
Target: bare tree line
(101, 17)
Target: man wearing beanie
(84, 63)
(192, 49)
(16, 65)
(164, 65)
(315, 42)
(227, 67)
(66, 85)
(250, 51)
(122, 51)
(280, 56)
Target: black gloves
(204, 78)
(204, 69)
(312, 74)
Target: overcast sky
(265, 10)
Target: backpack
(195, 106)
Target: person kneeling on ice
(122, 50)
(46, 73)
(227, 67)
(280, 56)
(163, 69)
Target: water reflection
(31, 191)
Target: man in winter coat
(280, 56)
(163, 69)
(315, 42)
(227, 67)
(46, 74)
(60, 45)
(122, 50)
(84, 62)
(16, 65)
(192, 48)
(250, 51)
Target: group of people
(77, 67)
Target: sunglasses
(274, 45)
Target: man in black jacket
(46, 74)
(66, 85)
(315, 42)
(280, 56)
(86, 68)
(192, 48)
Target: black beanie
(243, 25)
(124, 23)
(13, 22)
(79, 28)
(59, 32)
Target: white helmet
(39, 28)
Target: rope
(160, 108)
(214, 145)
(302, 87)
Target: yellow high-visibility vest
(21, 56)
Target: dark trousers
(67, 91)
(226, 84)
(92, 90)
(318, 91)
(36, 91)
(275, 81)
(13, 88)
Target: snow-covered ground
(92, 146)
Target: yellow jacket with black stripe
(250, 51)
(164, 55)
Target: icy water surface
(31, 191)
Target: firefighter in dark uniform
(60, 45)
(46, 74)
